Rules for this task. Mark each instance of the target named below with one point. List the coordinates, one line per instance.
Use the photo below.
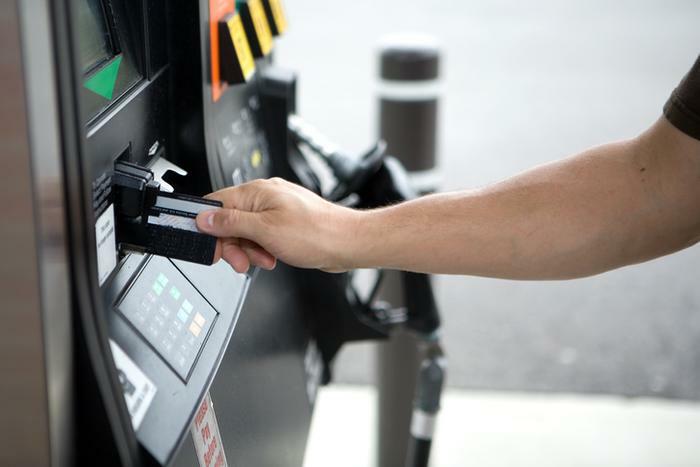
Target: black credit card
(170, 229)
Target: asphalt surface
(526, 83)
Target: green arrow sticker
(103, 81)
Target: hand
(264, 220)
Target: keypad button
(200, 320)
(194, 329)
(162, 279)
(175, 293)
(166, 345)
(182, 316)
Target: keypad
(169, 313)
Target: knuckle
(225, 196)
(225, 218)
(257, 183)
(276, 181)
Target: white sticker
(106, 241)
(177, 222)
(139, 390)
(206, 437)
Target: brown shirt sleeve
(683, 107)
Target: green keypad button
(162, 279)
(157, 288)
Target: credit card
(178, 204)
(170, 229)
(179, 211)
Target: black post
(408, 108)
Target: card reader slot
(153, 221)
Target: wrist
(360, 239)
(347, 244)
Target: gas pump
(140, 108)
(139, 351)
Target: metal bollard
(408, 107)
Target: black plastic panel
(141, 120)
(162, 107)
(260, 391)
(240, 144)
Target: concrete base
(499, 429)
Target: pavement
(511, 429)
(526, 83)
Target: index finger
(238, 197)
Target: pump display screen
(169, 313)
(95, 41)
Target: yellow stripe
(240, 44)
(278, 15)
(262, 29)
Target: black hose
(418, 452)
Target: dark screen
(95, 43)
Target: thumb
(230, 223)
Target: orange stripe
(217, 10)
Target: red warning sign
(206, 437)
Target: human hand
(263, 220)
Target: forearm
(610, 206)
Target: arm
(610, 206)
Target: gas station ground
(525, 83)
(500, 429)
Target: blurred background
(539, 373)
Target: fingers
(258, 255)
(235, 256)
(217, 251)
(240, 224)
(230, 223)
(242, 196)
(227, 196)
(241, 254)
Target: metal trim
(51, 232)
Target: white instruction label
(206, 437)
(138, 389)
(106, 241)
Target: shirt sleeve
(683, 107)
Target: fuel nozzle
(350, 172)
